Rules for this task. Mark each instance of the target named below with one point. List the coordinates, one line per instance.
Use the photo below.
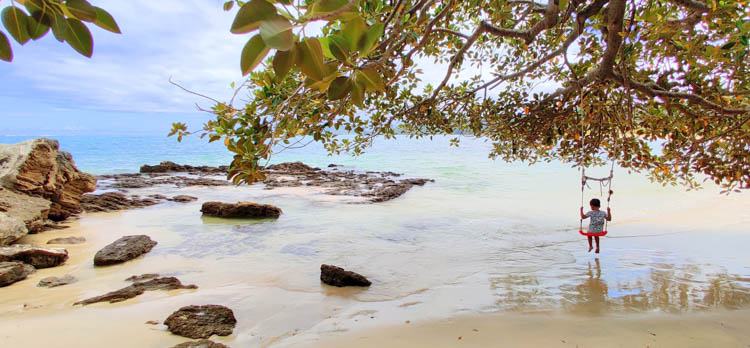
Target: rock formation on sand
(112, 201)
(123, 249)
(201, 321)
(67, 240)
(37, 182)
(11, 272)
(140, 284)
(35, 256)
(240, 210)
(337, 276)
(200, 344)
(52, 282)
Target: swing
(605, 181)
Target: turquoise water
(485, 236)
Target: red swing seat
(595, 234)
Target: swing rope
(605, 181)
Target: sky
(49, 89)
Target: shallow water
(485, 237)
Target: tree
(628, 73)
(64, 18)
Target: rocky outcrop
(240, 210)
(35, 256)
(123, 249)
(140, 285)
(201, 321)
(11, 272)
(112, 201)
(20, 214)
(51, 282)
(200, 344)
(67, 240)
(171, 167)
(183, 199)
(37, 168)
(130, 181)
(337, 276)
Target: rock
(11, 272)
(171, 167)
(201, 321)
(137, 288)
(51, 282)
(333, 165)
(35, 256)
(112, 201)
(183, 199)
(337, 276)
(290, 167)
(67, 240)
(21, 214)
(37, 168)
(152, 322)
(200, 344)
(142, 277)
(240, 210)
(123, 249)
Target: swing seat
(595, 234)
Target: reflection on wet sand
(665, 288)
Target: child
(597, 220)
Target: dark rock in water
(67, 240)
(51, 282)
(35, 256)
(290, 167)
(183, 199)
(201, 321)
(112, 201)
(137, 288)
(142, 277)
(337, 276)
(200, 344)
(11, 272)
(333, 165)
(123, 249)
(240, 210)
(171, 167)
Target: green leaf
(370, 78)
(324, 44)
(277, 33)
(321, 85)
(310, 59)
(358, 94)
(79, 37)
(81, 9)
(105, 21)
(372, 36)
(322, 7)
(59, 27)
(339, 88)
(562, 4)
(253, 53)
(36, 28)
(283, 61)
(6, 53)
(728, 45)
(17, 23)
(250, 15)
(339, 48)
(353, 31)
(228, 5)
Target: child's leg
(590, 247)
(597, 244)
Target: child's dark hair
(595, 202)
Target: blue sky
(49, 89)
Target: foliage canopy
(627, 74)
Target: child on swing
(597, 220)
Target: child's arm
(609, 214)
(582, 215)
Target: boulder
(51, 282)
(21, 214)
(35, 256)
(11, 272)
(112, 201)
(337, 276)
(240, 210)
(123, 249)
(200, 344)
(67, 240)
(138, 287)
(290, 167)
(201, 321)
(37, 168)
(183, 199)
(171, 167)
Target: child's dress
(597, 220)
